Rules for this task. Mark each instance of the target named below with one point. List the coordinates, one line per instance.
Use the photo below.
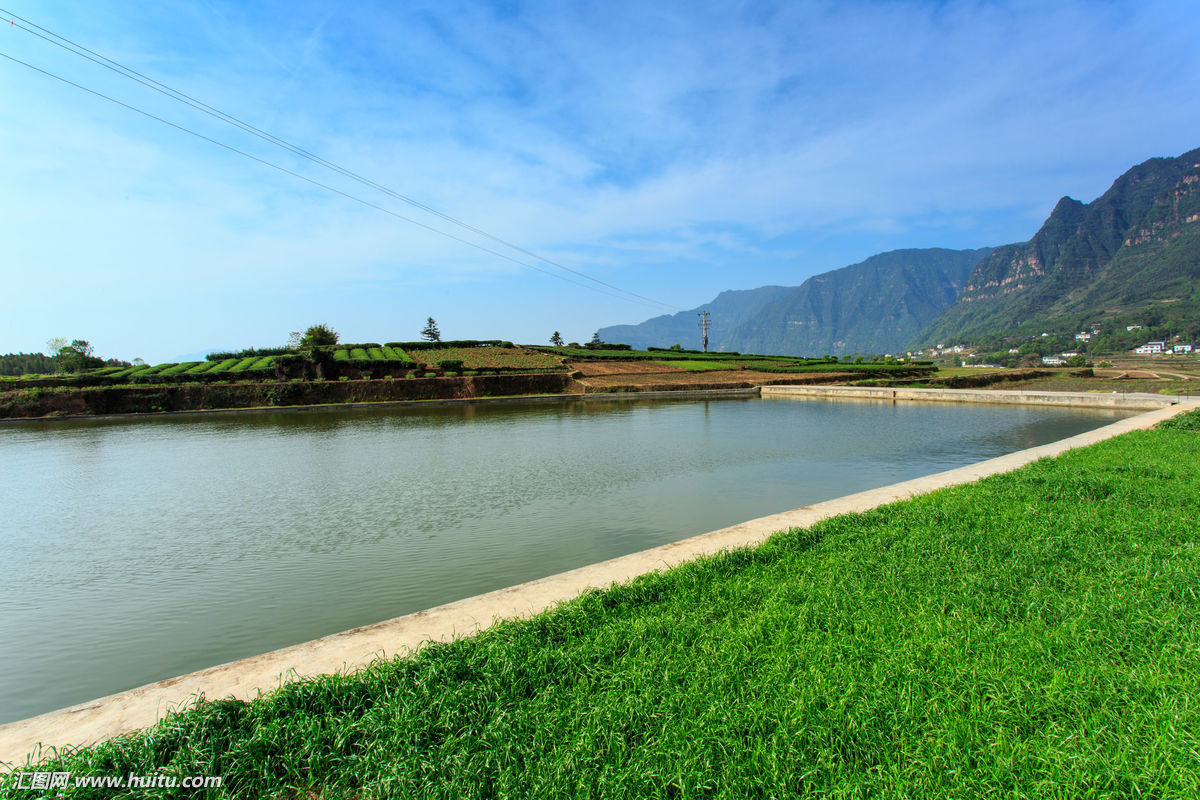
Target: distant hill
(727, 312)
(875, 306)
(1134, 247)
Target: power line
(327, 187)
(132, 74)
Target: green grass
(658, 355)
(866, 368)
(1036, 635)
(1187, 421)
(951, 372)
(701, 366)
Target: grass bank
(1035, 634)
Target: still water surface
(139, 549)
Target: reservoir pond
(136, 550)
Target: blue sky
(672, 149)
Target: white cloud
(630, 140)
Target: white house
(1054, 361)
(1180, 349)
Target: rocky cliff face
(1131, 245)
(1015, 268)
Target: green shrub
(248, 352)
(181, 367)
(1187, 421)
(224, 366)
(203, 366)
(244, 364)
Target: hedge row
(250, 352)
(453, 343)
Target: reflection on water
(136, 550)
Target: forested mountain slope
(875, 306)
(1135, 246)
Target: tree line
(61, 356)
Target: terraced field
(507, 358)
(614, 368)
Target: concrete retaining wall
(1136, 402)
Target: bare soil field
(598, 368)
(718, 379)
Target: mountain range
(1134, 247)
(876, 306)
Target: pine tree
(430, 332)
(556, 339)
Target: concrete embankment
(138, 708)
(1132, 401)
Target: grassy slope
(1036, 634)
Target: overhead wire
(317, 183)
(127, 72)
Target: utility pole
(704, 327)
